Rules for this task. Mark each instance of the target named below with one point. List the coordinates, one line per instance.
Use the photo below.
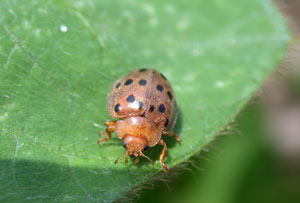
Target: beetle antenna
(141, 153)
(116, 161)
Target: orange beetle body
(144, 101)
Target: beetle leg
(110, 128)
(162, 156)
(174, 135)
(126, 159)
(137, 160)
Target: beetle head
(134, 146)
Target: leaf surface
(58, 60)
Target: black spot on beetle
(151, 109)
(159, 88)
(128, 82)
(142, 82)
(163, 76)
(132, 156)
(117, 108)
(146, 147)
(143, 114)
(142, 69)
(118, 85)
(130, 98)
(124, 144)
(170, 95)
(140, 105)
(166, 122)
(161, 108)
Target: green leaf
(58, 60)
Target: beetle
(144, 102)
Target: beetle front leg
(137, 160)
(110, 128)
(162, 156)
(174, 135)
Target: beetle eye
(132, 156)
(146, 147)
(124, 144)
